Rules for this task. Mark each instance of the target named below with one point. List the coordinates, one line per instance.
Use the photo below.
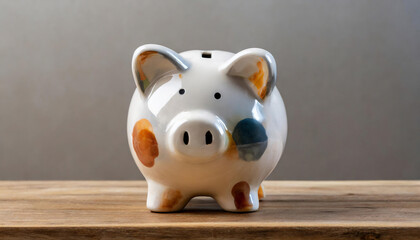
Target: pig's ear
(151, 61)
(257, 67)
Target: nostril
(209, 138)
(186, 138)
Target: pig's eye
(181, 91)
(217, 95)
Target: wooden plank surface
(291, 210)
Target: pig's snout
(199, 136)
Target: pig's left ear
(257, 67)
(151, 62)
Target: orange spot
(141, 59)
(144, 142)
(143, 124)
(240, 193)
(232, 151)
(259, 81)
(261, 193)
(180, 75)
(170, 199)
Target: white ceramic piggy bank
(205, 123)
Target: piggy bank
(205, 123)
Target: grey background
(349, 73)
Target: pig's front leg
(239, 198)
(161, 198)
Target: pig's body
(214, 137)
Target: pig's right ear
(151, 62)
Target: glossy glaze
(200, 125)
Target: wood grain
(291, 210)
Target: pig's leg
(164, 199)
(239, 198)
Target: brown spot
(261, 193)
(170, 199)
(240, 193)
(180, 75)
(231, 151)
(144, 143)
(259, 81)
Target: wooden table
(365, 210)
